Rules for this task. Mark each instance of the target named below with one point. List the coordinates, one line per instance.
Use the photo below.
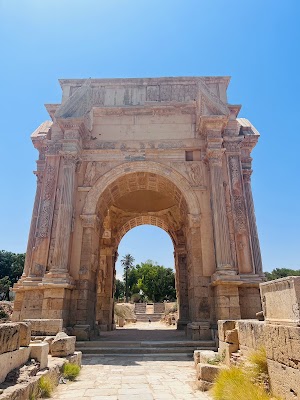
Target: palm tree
(127, 262)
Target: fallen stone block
(25, 333)
(208, 372)
(9, 337)
(204, 386)
(223, 327)
(231, 337)
(45, 327)
(13, 359)
(39, 351)
(62, 345)
(225, 351)
(206, 355)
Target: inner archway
(134, 199)
(146, 242)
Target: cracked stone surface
(133, 377)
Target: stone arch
(144, 220)
(141, 166)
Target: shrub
(3, 314)
(71, 371)
(46, 386)
(235, 384)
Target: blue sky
(254, 41)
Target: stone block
(284, 381)
(9, 337)
(226, 349)
(280, 301)
(283, 344)
(204, 386)
(232, 337)
(208, 372)
(13, 359)
(196, 357)
(62, 345)
(224, 326)
(198, 331)
(251, 333)
(25, 333)
(82, 332)
(206, 355)
(39, 351)
(45, 326)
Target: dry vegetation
(249, 381)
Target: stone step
(146, 317)
(155, 347)
(141, 350)
(147, 343)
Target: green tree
(11, 265)
(119, 289)
(5, 284)
(127, 263)
(281, 273)
(156, 281)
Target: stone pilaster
(32, 231)
(220, 222)
(180, 256)
(59, 271)
(257, 261)
(241, 228)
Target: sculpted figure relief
(90, 173)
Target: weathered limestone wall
(279, 334)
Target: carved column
(59, 269)
(257, 261)
(181, 280)
(242, 236)
(32, 231)
(220, 222)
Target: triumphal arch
(119, 153)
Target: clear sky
(254, 41)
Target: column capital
(232, 144)
(247, 175)
(213, 125)
(215, 156)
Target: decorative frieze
(46, 207)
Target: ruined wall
(279, 334)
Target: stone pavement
(133, 378)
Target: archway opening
(132, 200)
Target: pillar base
(59, 278)
(199, 330)
(181, 324)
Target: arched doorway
(134, 199)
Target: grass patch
(258, 360)
(71, 371)
(234, 383)
(45, 387)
